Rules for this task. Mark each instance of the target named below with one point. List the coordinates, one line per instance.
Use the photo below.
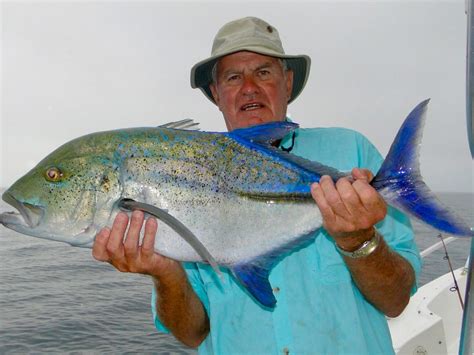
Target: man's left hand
(350, 209)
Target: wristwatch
(367, 248)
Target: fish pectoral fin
(175, 224)
(255, 279)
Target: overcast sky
(71, 68)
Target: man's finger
(362, 174)
(332, 196)
(99, 251)
(318, 195)
(115, 244)
(148, 245)
(349, 197)
(371, 200)
(133, 234)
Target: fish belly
(233, 228)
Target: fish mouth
(31, 214)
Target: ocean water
(57, 299)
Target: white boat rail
(432, 321)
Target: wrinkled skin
(251, 89)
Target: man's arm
(178, 306)
(385, 278)
(350, 210)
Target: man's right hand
(177, 305)
(127, 255)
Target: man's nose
(249, 86)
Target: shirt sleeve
(194, 278)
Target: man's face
(251, 89)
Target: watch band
(367, 248)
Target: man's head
(249, 76)
(251, 88)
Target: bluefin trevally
(243, 202)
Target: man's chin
(253, 120)
(246, 120)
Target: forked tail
(399, 180)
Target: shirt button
(286, 351)
(276, 289)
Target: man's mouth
(251, 106)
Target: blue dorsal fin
(399, 179)
(255, 279)
(264, 133)
(260, 136)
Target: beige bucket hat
(254, 35)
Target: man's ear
(289, 83)
(215, 95)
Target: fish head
(67, 197)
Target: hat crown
(247, 32)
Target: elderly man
(334, 293)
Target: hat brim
(201, 76)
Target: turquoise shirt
(319, 308)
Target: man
(332, 294)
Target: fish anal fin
(253, 274)
(255, 280)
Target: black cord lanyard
(290, 148)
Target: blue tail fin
(399, 180)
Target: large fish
(230, 199)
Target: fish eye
(53, 174)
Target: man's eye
(264, 74)
(233, 78)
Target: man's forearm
(180, 309)
(384, 277)
(350, 210)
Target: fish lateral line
(276, 197)
(128, 204)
